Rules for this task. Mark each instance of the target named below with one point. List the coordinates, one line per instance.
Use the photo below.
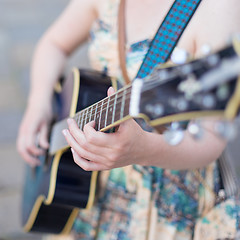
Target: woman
(153, 190)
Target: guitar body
(54, 191)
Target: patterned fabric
(149, 203)
(168, 34)
(220, 222)
(103, 51)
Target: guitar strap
(168, 34)
(165, 38)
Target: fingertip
(110, 91)
(89, 127)
(70, 121)
(92, 123)
(33, 162)
(44, 144)
(65, 132)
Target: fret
(127, 102)
(86, 116)
(100, 118)
(118, 109)
(114, 107)
(90, 117)
(123, 104)
(76, 117)
(110, 110)
(97, 113)
(81, 120)
(106, 116)
(126, 107)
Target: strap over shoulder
(168, 35)
(165, 39)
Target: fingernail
(69, 120)
(64, 131)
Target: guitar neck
(107, 112)
(177, 93)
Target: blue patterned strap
(168, 35)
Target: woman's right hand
(32, 140)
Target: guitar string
(103, 116)
(147, 85)
(112, 99)
(150, 83)
(119, 94)
(85, 114)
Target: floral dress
(149, 203)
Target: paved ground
(21, 24)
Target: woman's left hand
(96, 151)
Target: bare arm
(60, 40)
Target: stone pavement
(22, 22)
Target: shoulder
(215, 22)
(215, 5)
(220, 10)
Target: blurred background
(22, 22)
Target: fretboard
(107, 111)
(106, 114)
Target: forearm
(189, 154)
(47, 66)
(67, 33)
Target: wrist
(145, 149)
(38, 98)
(40, 103)
(153, 148)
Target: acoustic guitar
(55, 191)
